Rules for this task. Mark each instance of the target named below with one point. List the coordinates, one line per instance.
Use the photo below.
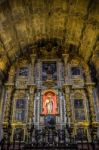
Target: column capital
(90, 84)
(31, 87)
(11, 74)
(9, 86)
(89, 87)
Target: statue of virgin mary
(49, 104)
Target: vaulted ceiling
(25, 22)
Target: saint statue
(49, 104)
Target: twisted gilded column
(68, 104)
(67, 87)
(31, 86)
(31, 101)
(91, 99)
(9, 89)
(89, 89)
(9, 97)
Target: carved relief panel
(79, 106)
(20, 110)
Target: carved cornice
(30, 85)
(90, 84)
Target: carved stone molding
(89, 88)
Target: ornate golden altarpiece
(70, 81)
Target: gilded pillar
(9, 96)
(87, 75)
(31, 102)
(31, 86)
(11, 74)
(68, 105)
(67, 87)
(8, 103)
(89, 88)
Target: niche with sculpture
(49, 103)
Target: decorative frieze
(89, 88)
(31, 88)
(9, 102)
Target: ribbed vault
(25, 24)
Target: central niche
(49, 70)
(49, 103)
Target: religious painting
(20, 115)
(18, 134)
(23, 71)
(21, 103)
(81, 133)
(20, 111)
(79, 114)
(75, 71)
(49, 71)
(78, 103)
(49, 103)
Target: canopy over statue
(49, 102)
